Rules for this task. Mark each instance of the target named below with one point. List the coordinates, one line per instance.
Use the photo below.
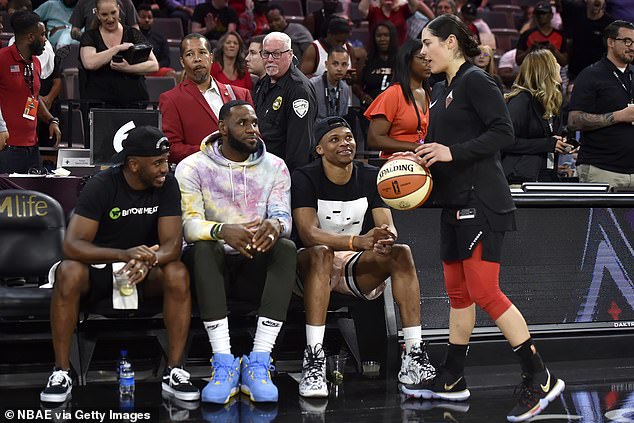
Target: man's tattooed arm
(582, 121)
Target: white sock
(218, 333)
(266, 334)
(315, 335)
(412, 336)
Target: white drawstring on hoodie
(244, 179)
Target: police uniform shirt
(286, 112)
(127, 217)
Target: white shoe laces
(181, 376)
(58, 377)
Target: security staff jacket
(286, 112)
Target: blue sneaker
(225, 376)
(256, 377)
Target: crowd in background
(364, 38)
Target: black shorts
(460, 236)
(101, 286)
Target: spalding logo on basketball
(404, 184)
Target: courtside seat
(32, 227)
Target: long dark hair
(393, 47)
(241, 64)
(445, 25)
(401, 74)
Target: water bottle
(123, 358)
(126, 379)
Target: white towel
(123, 302)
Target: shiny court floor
(357, 399)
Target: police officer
(285, 104)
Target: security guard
(285, 103)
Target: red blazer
(187, 117)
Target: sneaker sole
(234, 391)
(245, 390)
(317, 393)
(543, 403)
(428, 394)
(185, 396)
(54, 397)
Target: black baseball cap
(144, 141)
(543, 7)
(323, 126)
(469, 9)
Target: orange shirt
(392, 104)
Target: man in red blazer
(190, 110)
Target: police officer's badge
(277, 103)
(300, 106)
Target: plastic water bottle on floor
(123, 358)
(126, 378)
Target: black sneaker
(444, 386)
(535, 396)
(58, 388)
(176, 382)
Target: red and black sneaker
(535, 393)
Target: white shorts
(342, 277)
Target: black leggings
(268, 277)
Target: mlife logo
(115, 213)
(121, 135)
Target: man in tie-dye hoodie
(237, 219)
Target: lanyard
(28, 74)
(334, 112)
(629, 92)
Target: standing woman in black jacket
(469, 124)
(534, 104)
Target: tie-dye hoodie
(217, 190)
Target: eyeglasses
(627, 41)
(276, 54)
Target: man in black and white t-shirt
(345, 227)
(131, 214)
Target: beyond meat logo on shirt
(116, 212)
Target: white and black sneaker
(58, 388)
(176, 382)
(416, 367)
(313, 383)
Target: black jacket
(525, 159)
(475, 124)
(287, 111)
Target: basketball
(403, 184)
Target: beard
(36, 48)
(240, 146)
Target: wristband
(351, 243)
(54, 120)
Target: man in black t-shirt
(349, 239)
(129, 214)
(214, 19)
(602, 108)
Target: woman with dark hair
(469, 125)
(229, 66)
(376, 74)
(534, 104)
(103, 74)
(399, 115)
